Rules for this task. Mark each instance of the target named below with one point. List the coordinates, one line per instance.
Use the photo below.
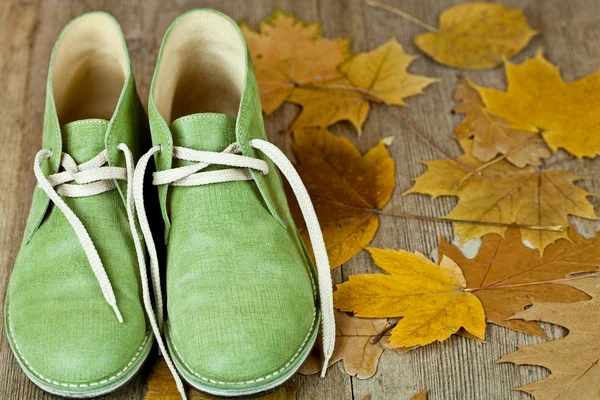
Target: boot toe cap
(77, 352)
(242, 347)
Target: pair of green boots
(243, 299)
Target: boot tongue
(207, 131)
(84, 139)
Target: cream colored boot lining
(89, 70)
(202, 68)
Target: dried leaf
(326, 104)
(420, 396)
(346, 188)
(289, 52)
(161, 386)
(354, 346)
(506, 276)
(506, 194)
(493, 135)
(431, 298)
(388, 140)
(538, 100)
(379, 75)
(572, 360)
(476, 35)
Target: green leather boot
(242, 298)
(74, 315)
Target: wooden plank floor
(459, 369)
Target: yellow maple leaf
(538, 100)
(379, 75)
(506, 194)
(323, 105)
(288, 52)
(476, 35)
(346, 188)
(493, 135)
(431, 298)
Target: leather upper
(241, 299)
(60, 327)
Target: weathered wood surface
(459, 369)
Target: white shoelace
(191, 175)
(92, 177)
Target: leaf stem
(480, 168)
(555, 228)
(381, 334)
(570, 278)
(400, 114)
(552, 228)
(402, 14)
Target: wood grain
(459, 369)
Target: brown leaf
(161, 385)
(347, 189)
(420, 396)
(506, 194)
(354, 346)
(574, 361)
(289, 52)
(493, 135)
(507, 276)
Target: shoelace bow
(192, 175)
(94, 177)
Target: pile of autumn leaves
(499, 180)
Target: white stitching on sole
(81, 385)
(272, 374)
(310, 331)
